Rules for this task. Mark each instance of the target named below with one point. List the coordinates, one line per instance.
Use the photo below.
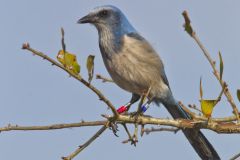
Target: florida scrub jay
(135, 66)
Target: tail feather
(196, 138)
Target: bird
(135, 66)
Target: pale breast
(136, 67)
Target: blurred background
(35, 93)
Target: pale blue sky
(35, 93)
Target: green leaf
(201, 90)
(221, 65)
(238, 94)
(90, 67)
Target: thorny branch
(219, 127)
(77, 77)
(86, 144)
(51, 127)
(192, 33)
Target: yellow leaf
(69, 61)
(238, 94)
(207, 107)
(90, 67)
(60, 57)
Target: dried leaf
(201, 90)
(221, 65)
(69, 61)
(187, 25)
(62, 41)
(207, 107)
(238, 94)
(90, 67)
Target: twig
(128, 133)
(104, 79)
(221, 93)
(82, 147)
(197, 117)
(192, 114)
(235, 157)
(223, 84)
(135, 135)
(149, 130)
(77, 77)
(51, 127)
(195, 108)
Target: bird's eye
(103, 13)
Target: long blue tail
(196, 138)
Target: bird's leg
(126, 107)
(142, 108)
(145, 106)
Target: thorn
(142, 131)
(105, 116)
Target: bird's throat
(109, 42)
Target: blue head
(108, 19)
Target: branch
(197, 117)
(51, 127)
(149, 130)
(219, 127)
(82, 147)
(192, 33)
(77, 77)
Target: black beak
(86, 19)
